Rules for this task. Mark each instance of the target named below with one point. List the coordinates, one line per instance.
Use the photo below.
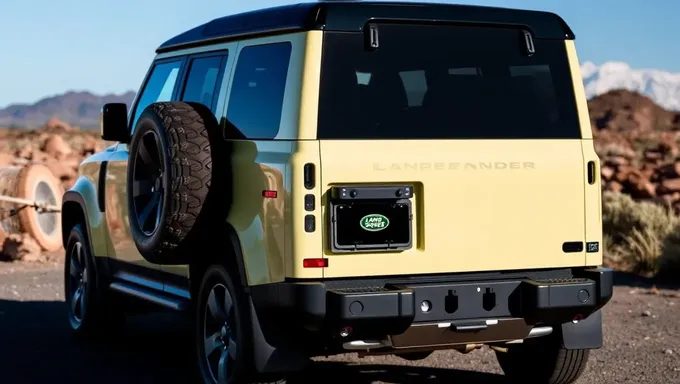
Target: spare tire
(176, 180)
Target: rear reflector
(269, 194)
(315, 263)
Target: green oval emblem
(374, 222)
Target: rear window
(445, 82)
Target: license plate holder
(371, 225)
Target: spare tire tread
(189, 141)
(190, 171)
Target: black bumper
(390, 308)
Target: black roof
(352, 15)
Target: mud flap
(586, 334)
(268, 358)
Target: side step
(150, 295)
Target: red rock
(653, 156)
(616, 161)
(670, 185)
(55, 145)
(614, 186)
(642, 189)
(607, 172)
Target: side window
(256, 100)
(415, 85)
(159, 87)
(202, 80)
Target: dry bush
(637, 233)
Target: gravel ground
(642, 344)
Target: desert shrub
(637, 232)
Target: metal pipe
(39, 206)
(360, 345)
(535, 332)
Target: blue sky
(49, 47)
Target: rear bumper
(378, 310)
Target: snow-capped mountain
(662, 87)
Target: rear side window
(159, 87)
(204, 75)
(258, 88)
(445, 82)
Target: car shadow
(337, 372)
(629, 279)
(36, 346)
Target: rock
(55, 125)
(25, 152)
(607, 172)
(21, 247)
(669, 186)
(615, 161)
(647, 313)
(6, 159)
(670, 171)
(653, 156)
(614, 186)
(62, 170)
(91, 145)
(642, 189)
(668, 351)
(56, 146)
(621, 176)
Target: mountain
(76, 108)
(662, 87)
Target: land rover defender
(350, 176)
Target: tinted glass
(159, 87)
(202, 80)
(445, 82)
(256, 99)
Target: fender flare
(237, 254)
(74, 202)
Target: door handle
(591, 172)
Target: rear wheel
(222, 332)
(543, 360)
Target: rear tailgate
(478, 205)
(489, 139)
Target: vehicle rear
(450, 148)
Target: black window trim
(182, 68)
(189, 59)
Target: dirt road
(642, 344)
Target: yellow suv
(333, 177)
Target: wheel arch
(229, 254)
(81, 204)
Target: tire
(176, 180)
(543, 360)
(415, 356)
(233, 330)
(92, 311)
(37, 183)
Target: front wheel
(543, 360)
(92, 312)
(222, 331)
